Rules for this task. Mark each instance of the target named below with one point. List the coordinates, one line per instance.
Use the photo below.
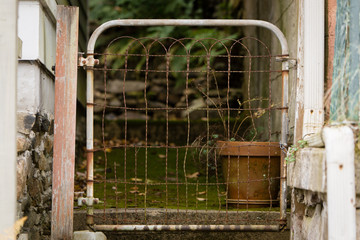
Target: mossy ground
(126, 178)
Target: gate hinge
(89, 61)
(87, 201)
(285, 58)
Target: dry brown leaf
(202, 193)
(171, 179)
(80, 174)
(141, 194)
(134, 188)
(194, 175)
(162, 156)
(134, 192)
(201, 199)
(150, 181)
(136, 179)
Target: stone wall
(34, 175)
(35, 129)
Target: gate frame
(89, 61)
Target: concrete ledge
(309, 170)
(157, 216)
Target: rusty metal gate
(213, 160)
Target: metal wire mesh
(194, 137)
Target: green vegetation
(291, 153)
(102, 11)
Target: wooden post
(8, 65)
(65, 118)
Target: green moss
(120, 189)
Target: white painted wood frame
(8, 65)
(341, 200)
(309, 115)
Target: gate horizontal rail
(218, 228)
(90, 62)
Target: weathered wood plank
(65, 119)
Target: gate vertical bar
(65, 118)
(284, 138)
(89, 142)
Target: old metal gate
(174, 172)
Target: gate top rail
(188, 22)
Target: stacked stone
(34, 172)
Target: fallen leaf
(141, 194)
(201, 199)
(150, 181)
(171, 179)
(134, 188)
(194, 175)
(113, 188)
(202, 193)
(134, 192)
(108, 150)
(162, 156)
(136, 179)
(81, 174)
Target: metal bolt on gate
(188, 200)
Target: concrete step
(157, 216)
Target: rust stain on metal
(65, 119)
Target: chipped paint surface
(65, 119)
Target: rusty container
(251, 171)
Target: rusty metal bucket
(252, 172)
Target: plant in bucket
(244, 145)
(251, 169)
